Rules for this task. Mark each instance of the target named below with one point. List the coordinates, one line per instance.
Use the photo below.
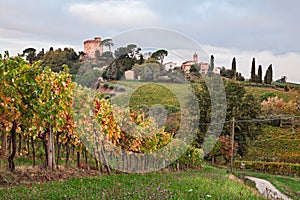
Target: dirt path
(267, 189)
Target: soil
(29, 175)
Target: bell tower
(195, 58)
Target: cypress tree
(265, 78)
(233, 67)
(259, 74)
(212, 63)
(269, 75)
(253, 71)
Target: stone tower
(195, 58)
(91, 46)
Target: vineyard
(51, 120)
(282, 143)
(52, 128)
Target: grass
(154, 93)
(287, 185)
(286, 96)
(146, 94)
(209, 183)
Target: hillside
(286, 96)
(279, 144)
(276, 144)
(273, 143)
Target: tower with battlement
(91, 46)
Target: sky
(265, 29)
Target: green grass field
(287, 185)
(143, 94)
(178, 88)
(209, 183)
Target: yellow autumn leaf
(18, 130)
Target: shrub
(122, 89)
(105, 86)
(270, 167)
(192, 158)
(111, 87)
(267, 95)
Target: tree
(282, 79)
(40, 55)
(239, 77)
(239, 104)
(55, 59)
(97, 55)
(259, 74)
(141, 59)
(233, 67)
(195, 68)
(222, 149)
(228, 73)
(107, 57)
(30, 55)
(131, 47)
(147, 71)
(252, 79)
(269, 75)
(286, 88)
(127, 57)
(108, 43)
(121, 51)
(212, 64)
(131, 50)
(160, 55)
(152, 60)
(88, 76)
(113, 72)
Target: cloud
(114, 14)
(265, 29)
(10, 33)
(17, 45)
(254, 25)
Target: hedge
(270, 167)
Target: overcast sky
(265, 29)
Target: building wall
(204, 67)
(186, 66)
(129, 75)
(91, 46)
(170, 66)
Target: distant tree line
(131, 58)
(254, 78)
(55, 59)
(257, 78)
(111, 65)
(232, 73)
